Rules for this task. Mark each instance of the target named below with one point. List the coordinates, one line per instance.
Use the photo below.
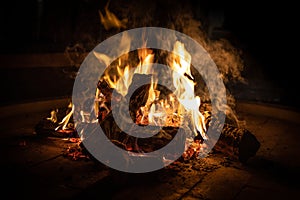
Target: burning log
(103, 98)
(237, 143)
(47, 128)
(131, 143)
(139, 96)
(59, 124)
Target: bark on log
(128, 142)
(140, 95)
(46, 127)
(237, 143)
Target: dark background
(265, 31)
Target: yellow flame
(53, 116)
(146, 58)
(63, 124)
(124, 81)
(150, 104)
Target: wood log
(140, 95)
(237, 143)
(47, 128)
(128, 142)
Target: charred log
(131, 143)
(51, 126)
(138, 98)
(237, 143)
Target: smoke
(227, 58)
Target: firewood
(122, 139)
(48, 128)
(237, 143)
(137, 96)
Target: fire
(53, 117)
(123, 76)
(64, 124)
(160, 108)
(180, 62)
(157, 111)
(146, 58)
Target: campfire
(154, 104)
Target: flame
(65, 121)
(126, 78)
(184, 84)
(151, 108)
(110, 20)
(121, 80)
(146, 58)
(53, 117)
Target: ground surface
(36, 168)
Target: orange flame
(110, 20)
